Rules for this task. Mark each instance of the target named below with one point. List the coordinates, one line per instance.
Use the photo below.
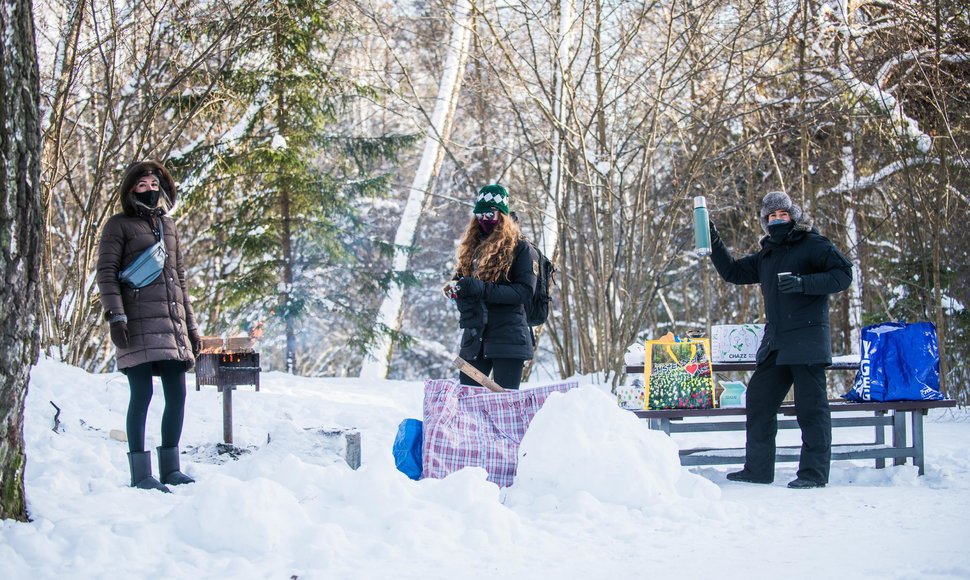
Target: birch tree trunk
(20, 239)
(377, 361)
(550, 222)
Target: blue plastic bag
(900, 362)
(407, 447)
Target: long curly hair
(488, 257)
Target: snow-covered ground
(598, 495)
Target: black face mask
(779, 232)
(148, 198)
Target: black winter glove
(119, 334)
(196, 343)
(715, 237)
(791, 284)
(470, 287)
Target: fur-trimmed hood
(136, 171)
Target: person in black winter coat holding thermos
(797, 269)
(152, 326)
(495, 277)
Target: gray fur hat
(775, 201)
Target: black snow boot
(140, 463)
(802, 483)
(748, 477)
(168, 467)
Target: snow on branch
(850, 183)
(905, 127)
(915, 55)
(224, 143)
(834, 23)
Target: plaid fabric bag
(467, 426)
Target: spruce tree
(284, 185)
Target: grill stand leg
(227, 413)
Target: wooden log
(211, 343)
(466, 367)
(336, 442)
(352, 454)
(239, 343)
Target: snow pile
(580, 442)
(598, 495)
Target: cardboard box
(735, 342)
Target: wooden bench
(879, 415)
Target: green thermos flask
(702, 227)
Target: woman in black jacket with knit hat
(797, 269)
(152, 327)
(495, 277)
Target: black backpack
(537, 311)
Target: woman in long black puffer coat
(153, 327)
(495, 277)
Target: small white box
(732, 343)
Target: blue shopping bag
(407, 447)
(900, 362)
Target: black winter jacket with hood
(797, 324)
(160, 318)
(497, 319)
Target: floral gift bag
(678, 374)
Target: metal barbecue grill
(227, 369)
(225, 365)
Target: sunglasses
(488, 215)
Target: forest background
(327, 155)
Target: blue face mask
(777, 221)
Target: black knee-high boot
(140, 463)
(168, 467)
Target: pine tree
(285, 186)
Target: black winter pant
(766, 391)
(505, 371)
(172, 373)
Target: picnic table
(904, 420)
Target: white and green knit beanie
(490, 196)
